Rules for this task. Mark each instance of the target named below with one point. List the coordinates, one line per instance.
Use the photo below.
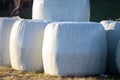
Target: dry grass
(7, 73)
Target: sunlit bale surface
(61, 10)
(74, 49)
(26, 45)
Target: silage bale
(74, 49)
(61, 10)
(6, 25)
(26, 45)
(118, 57)
(112, 33)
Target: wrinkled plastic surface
(74, 49)
(61, 10)
(6, 25)
(26, 45)
(113, 36)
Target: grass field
(7, 73)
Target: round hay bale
(6, 25)
(112, 29)
(61, 10)
(74, 49)
(26, 45)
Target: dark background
(105, 9)
(100, 9)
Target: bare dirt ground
(7, 73)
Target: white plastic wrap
(74, 49)
(118, 57)
(61, 10)
(26, 45)
(113, 36)
(6, 25)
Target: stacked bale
(112, 33)
(61, 10)
(6, 25)
(26, 45)
(74, 49)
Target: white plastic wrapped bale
(6, 25)
(118, 57)
(61, 10)
(26, 45)
(74, 49)
(112, 33)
